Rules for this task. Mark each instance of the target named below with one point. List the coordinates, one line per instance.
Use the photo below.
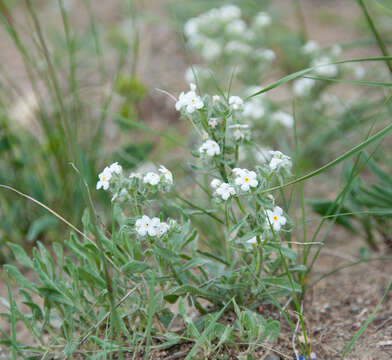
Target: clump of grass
(54, 125)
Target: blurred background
(82, 84)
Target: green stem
(376, 34)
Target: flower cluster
(106, 175)
(152, 227)
(222, 189)
(221, 34)
(279, 161)
(189, 101)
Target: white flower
(136, 175)
(322, 68)
(237, 47)
(225, 191)
(236, 27)
(253, 240)
(104, 178)
(262, 19)
(245, 179)
(115, 168)
(191, 27)
(210, 147)
(276, 218)
(336, 50)
(145, 225)
(215, 183)
(229, 13)
(151, 178)
(166, 173)
(213, 122)
(279, 160)
(236, 103)
(211, 49)
(310, 47)
(302, 87)
(204, 135)
(190, 101)
(161, 229)
(254, 109)
(240, 131)
(152, 227)
(265, 54)
(283, 118)
(216, 99)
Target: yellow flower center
(246, 179)
(103, 178)
(275, 218)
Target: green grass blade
(353, 82)
(308, 70)
(376, 34)
(378, 136)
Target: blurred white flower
(262, 19)
(336, 50)
(104, 179)
(225, 190)
(254, 109)
(252, 240)
(213, 122)
(310, 47)
(209, 147)
(237, 47)
(302, 87)
(135, 175)
(162, 229)
(190, 101)
(324, 68)
(276, 218)
(166, 173)
(283, 118)
(265, 54)
(191, 27)
(236, 103)
(216, 98)
(215, 183)
(194, 73)
(245, 179)
(236, 27)
(115, 168)
(229, 13)
(279, 161)
(211, 49)
(240, 131)
(151, 178)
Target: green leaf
(19, 278)
(20, 255)
(135, 267)
(40, 226)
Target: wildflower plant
(161, 249)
